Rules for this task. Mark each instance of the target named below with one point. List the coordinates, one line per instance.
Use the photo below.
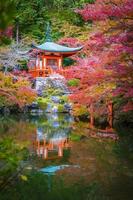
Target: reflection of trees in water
(17, 127)
(51, 130)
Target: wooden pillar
(37, 62)
(38, 147)
(91, 116)
(44, 144)
(51, 145)
(51, 71)
(45, 153)
(110, 114)
(66, 143)
(60, 63)
(60, 150)
(38, 66)
(42, 62)
(45, 62)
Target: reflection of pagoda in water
(52, 136)
(44, 147)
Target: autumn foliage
(104, 66)
(15, 92)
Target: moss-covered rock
(61, 108)
(53, 94)
(42, 102)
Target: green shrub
(51, 92)
(11, 155)
(5, 40)
(68, 62)
(23, 65)
(61, 108)
(74, 137)
(80, 110)
(57, 92)
(73, 82)
(123, 124)
(19, 93)
(42, 102)
(64, 99)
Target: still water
(64, 163)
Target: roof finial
(48, 37)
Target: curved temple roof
(53, 47)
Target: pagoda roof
(54, 47)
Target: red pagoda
(49, 57)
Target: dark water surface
(95, 170)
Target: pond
(64, 163)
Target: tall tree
(7, 11)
